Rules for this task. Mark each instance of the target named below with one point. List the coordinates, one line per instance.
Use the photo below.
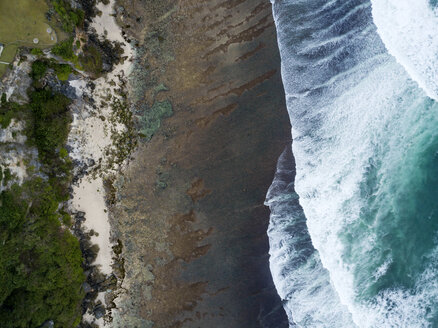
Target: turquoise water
(361, 79)
(401, 211)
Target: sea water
(354, 237)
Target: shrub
(91, 60)
(39, 68)
(51, 121)
(63, 71)
(6, 118)
(64, 49)
(68, 17)
(8, 110)
(36, 52)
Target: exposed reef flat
(208, 94)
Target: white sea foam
(409, 30)
(328, 182)
(350, 104)
(301, 280)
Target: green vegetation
(50, 126)
(64, 49)
(151, 121)
(125, 141)
(7, 176)
(41, 273)
(91, 60)
(40, 266)
(63, 71)
(51, 120)
(5, 118)
(21, 21)
(32, 24)
(36, 52)
(8, 53)
(68, 17)
(39, 68)
(8, 111)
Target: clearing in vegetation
(22, 23)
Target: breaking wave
(353, 230)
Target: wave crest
(409, 32)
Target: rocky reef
(209, 102)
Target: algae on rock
(151, 120)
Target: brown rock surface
(190, 212)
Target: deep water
(354, 237)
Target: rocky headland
(208, 99)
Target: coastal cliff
(207, 92)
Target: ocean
(354, 206)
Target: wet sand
(190, 212)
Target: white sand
(90, 137)
(89, 197)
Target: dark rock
(91, 162)
(110, 283)
(80, 214)
(106, 67)
(48, 324)
(111, 52)
(86, 287)
(99, 311)
(96, 277)
(89, 7)
(75, 4)
(91, 85)
(59, 86)
(75, 162)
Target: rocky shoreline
(209, 103)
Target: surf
(408, 31)
(363, 120)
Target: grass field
(22, 21)
(7, 56)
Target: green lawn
(21, 21)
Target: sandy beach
(91, 139)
